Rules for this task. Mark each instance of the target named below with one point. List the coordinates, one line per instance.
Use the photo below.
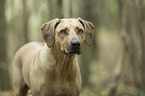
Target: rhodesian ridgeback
(51, 68)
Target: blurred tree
(26, 15)
(137, 43)
(87, 12)
(133, 44)
(55, 9)
(67, 8)
(119, 64)
(141, 26)
(4, 82)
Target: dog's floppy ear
(89, 31)
(48, 31)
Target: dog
(51, 68)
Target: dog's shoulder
(31, 47)
(34, 44)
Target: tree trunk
(55, 9)
(89, 53)
(136, 37)
(118, 71)
(141, 24)
(67, 8)
(4, 76)
(26, 15)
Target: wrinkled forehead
(69, 23)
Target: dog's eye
(63, 32)
(80, 31)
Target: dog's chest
(61, 88)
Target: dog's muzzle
(74, 48)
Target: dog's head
(68, 34)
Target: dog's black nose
(75, 43)
(74, 48)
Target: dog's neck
(64, 63)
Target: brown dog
(51, 68)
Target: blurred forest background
(113, 66)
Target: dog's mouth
(72, 50)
